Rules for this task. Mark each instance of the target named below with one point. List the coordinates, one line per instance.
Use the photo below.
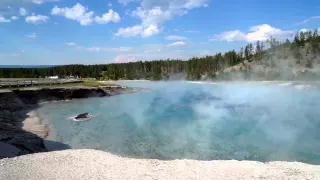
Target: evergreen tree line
(303, 50)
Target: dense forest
(271, 59)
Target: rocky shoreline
(21, 130)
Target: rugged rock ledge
(15, 107)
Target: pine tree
(315, 33)
(246, 52)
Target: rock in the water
(82, 116)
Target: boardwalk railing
(34, 82)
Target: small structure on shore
(53, 77)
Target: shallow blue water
(178, 120)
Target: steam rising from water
(197, 121)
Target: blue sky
(36, 32)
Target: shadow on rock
(55, 146)
(14, 140)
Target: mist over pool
(181, 120)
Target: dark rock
(34, 96)
(83, 115)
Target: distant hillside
(298, 59)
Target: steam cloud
(253, 121)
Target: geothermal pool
(182, 120)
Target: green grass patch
(93, 84)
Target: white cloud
(78, 13)
(100, 49)
(43, 1)
(70, 44)
(4, 20)
(152, 16)
(175, 38)
(32, 35)
(85, 17)
(23, 12)
(265, 31)
(130, 31)
(230, 36)
(150, 30)
(154, 13)
(178, 43)
(108, 17)
(151, 20)
(256, 33)
(308, 20)
(36, 19)
(138, 30)
(14, 17)
(110, 4)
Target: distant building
(53, 77)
